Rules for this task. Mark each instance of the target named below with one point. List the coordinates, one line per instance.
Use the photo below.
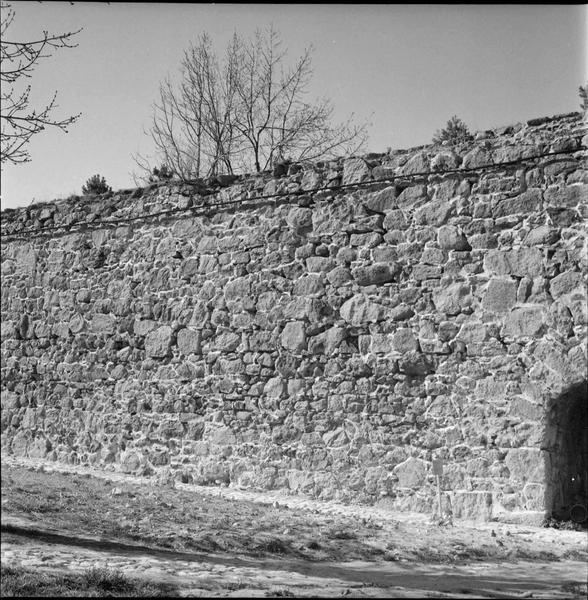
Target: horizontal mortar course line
(286, 195)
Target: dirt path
(52, 520)
(222, 575)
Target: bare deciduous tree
(244, 114)
(191, 125)
(20, 121)
(272, 116)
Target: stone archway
(566, 446)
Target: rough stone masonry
(328, 331)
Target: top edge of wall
(213, 185)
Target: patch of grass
(273, 546)
(106, 580)
(343, 534)
(573, 554)
(236, 585)
(435, 555)
(95, 582)
(577, 589)
(530, 554)
(566, 525)
(283, 593)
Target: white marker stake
(438, 471)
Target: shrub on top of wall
(95, 185)
(454, 132)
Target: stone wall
(328, 329)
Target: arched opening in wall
(566, 446)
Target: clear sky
(406, 68)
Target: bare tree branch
(20, 122)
